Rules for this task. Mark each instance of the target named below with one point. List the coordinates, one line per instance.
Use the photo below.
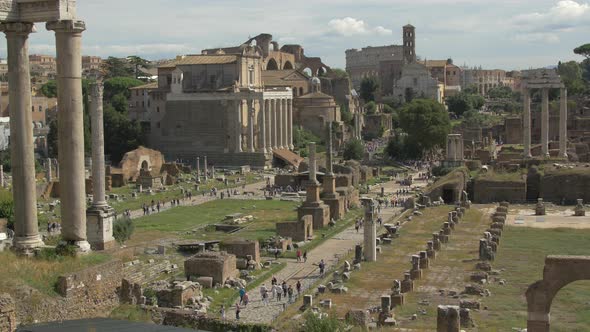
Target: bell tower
(409, 32)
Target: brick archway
(558, 272)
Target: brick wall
(7, 314)
(97, 283)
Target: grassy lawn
(522, 254)
(181, 220)
(39, 273)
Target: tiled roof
(434, 63)
(201, 60)
(152, 85)
(277, 77)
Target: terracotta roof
(317, 95)
(288, 156)
(152, 85)
(277, 77)
(201, 60)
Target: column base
(26, 245)
(291, 147)
(563, 155)
(99, 227)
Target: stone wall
(296, 230)
(97, 283)
(218, 265)
(7, 313)
(489, 191)
(132, 161)
(566, 184)
(242, 248)
(184, 318)
(450, 186)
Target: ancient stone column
(286, 123)
(290, 124)
(329, 178)
(2, 176)
(262, 126)
(545, 122)
(268, 124)
(205, 168)
(68, 35)
(49, 174)
(369, 231)
(238, 129)
(563, 123)
(250, 125)
(312, 163)
(280, 123)
(98, 164)
(56, 162)
(275, 123)
(526, 141)
(198, 170)
(100, 216)
(21, 138)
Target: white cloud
(535, 37)
(349, 26)
(563, 16)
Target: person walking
(246, 299)
(264, 294)
(322, 266)
(298, 286)
(242, 292)
(298, 255)
(305, 256)
(279, 292)
(222, 312)
(290, 293)
(237, 311)
(284, 285)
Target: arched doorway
(558, 272)
(145, 166)
(288, 65)
(272, 65)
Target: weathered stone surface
(7, 313)
(448, 319)
(358, 317)
(218, 265)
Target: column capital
(73, 26)
(96, 90)
(18, 28)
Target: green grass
(132, 313)
(42, 274)
(522, 254)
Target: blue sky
(507, 34)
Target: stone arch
(557, 273)
(288, 65)
(272, 64)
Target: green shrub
(327, 324)
(353, 149)
(122, 230)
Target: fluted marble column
(68, 35)
(290, 123)
(281, 124)
(262, 126)
(286, 123)
(26, 229)
(268, 124)
(526, 126)
(198, 170)
(275, 124)
(563, 123)
(250, 104)
(545, 122)
(238, 127)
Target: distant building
(417, 82)
(486, 79)
(382, 62)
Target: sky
(504, 34)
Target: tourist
(237, 311)
(298, 286)
(305, 256)
(322, 266)
(222, 312)
(284, 285)
(274, 280)
(273, 291)
(298, 255)
(246, 299)
(242, 293)
(279, 292)
(290, 293)
(357, 226)
(264, 294)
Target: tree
(137, 63)
(583, 50)
(7, 207)
(371, 107)
(427, 124)
(120, 133)
(117, 67)
(345, 114)
(49, 89)
(119, 85)
(369, 86)
(459, 103)
(354, 149)
(338, 73)
(500, 92)
(571, 74)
